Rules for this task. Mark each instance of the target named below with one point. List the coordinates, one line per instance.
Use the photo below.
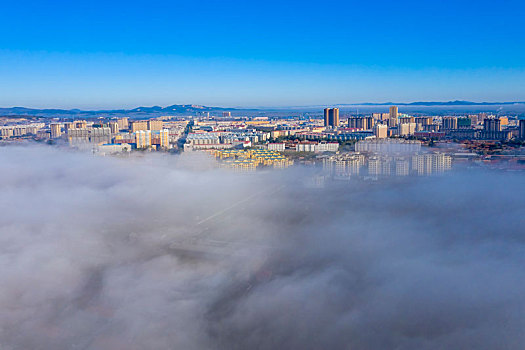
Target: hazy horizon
(377, 104)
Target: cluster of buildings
(480, 126)
(231, 132)
(475, 127)
(381, 158)
(386, 144)
(100, 135)
(124, 135)
(304, 146)
(250, 160)
(214, 133)
(21, 130)
(275, 134)
(235, 138)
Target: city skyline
(120, 55)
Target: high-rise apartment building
(381, 131)
(226, 114)
(422, 163)
(123, 123)
(431, 163)
(474, 119)
(492, 124)
(326, 116)
(405, 129)
(404, 120)
(441, 163)
(354, 122)
(422, 123)
(164, 138)
(80, 124)
(56, 130)
(401, 166)
(98, 135)
(155, 125)
(392, 117)
(139, 125)
(140, 138)
(114, 127)
(365, 123)
(393, 112)
(522, 129)
(93, 135)
(374, 166)
(482, 117)
(464, 123)
(68, 126)
(331, 117)
(449, 123)
(344, 165)
(143, 138)
(388, 146)
(492, 130)
(379, 165)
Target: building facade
(331, 117)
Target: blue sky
(102, 54)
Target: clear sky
(112, 54)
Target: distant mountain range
(135, 112)
(197, 109)
(429, 103)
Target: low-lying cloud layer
(152, 253)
